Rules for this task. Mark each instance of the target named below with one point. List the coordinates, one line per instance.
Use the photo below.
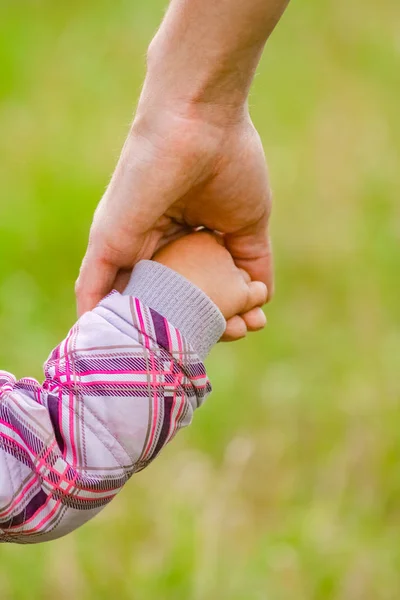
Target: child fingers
(255, 319)
(236, 329)
(257, 295)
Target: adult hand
(192, 157)
(178, 172)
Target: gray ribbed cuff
(185, 306)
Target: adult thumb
(96, 279)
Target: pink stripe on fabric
(121, 383)
(71, 402)
(45, 519)
(14, 429)
(20, 496)
(152, 374)
(168, 335)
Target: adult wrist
(211, 90)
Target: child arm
(115, 392)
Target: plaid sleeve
(116, 390)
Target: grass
(287, 486)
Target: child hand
(202, 258)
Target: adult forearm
(206, 51)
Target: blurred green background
(287, 486)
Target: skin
(192, 157)
(202, 258)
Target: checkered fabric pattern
(116, 391)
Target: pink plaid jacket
(116, 390)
